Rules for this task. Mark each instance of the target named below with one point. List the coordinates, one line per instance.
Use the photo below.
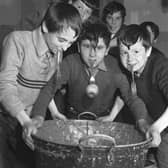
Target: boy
(113, 16)
(149, 71)
(29, 59)
(91, 67)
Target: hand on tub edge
(30, 128)
(150, 131)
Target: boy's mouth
(92, 63)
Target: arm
(162, 122)
(12, 57)
(118, 105)
(157, 127)
(54, 111)
(45, 98)
(135, 104)
(162, 82)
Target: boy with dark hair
(93, 77)
(29, 59)
(113, 16)
(149, 78)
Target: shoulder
(112, 64)
(72, 60)
(158, 58)
(158, 63)
(17, 36)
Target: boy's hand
(59, 116)
(155, 134)
(150, 132)
(30, 128)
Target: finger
(29, 142)
(64, 118)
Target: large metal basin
(57, 145)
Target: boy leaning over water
(29, 59)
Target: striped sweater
(26, 67)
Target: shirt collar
(39, 42)
(102, 66)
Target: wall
(142, 10)
(10, 11)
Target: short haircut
(154, 27)
(60, 16)
(94, 31)
(113, 7)
(132, 33)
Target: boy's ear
(44, 27)
(148, 52)
(107, 50)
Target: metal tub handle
(87, 113)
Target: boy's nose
(92, 52)
(130, 57)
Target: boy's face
(135, 57)
(114, 21)
(91, 53)
(84, 10)
(61, 41)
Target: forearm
(162, 122)
(53, 109)
(139, 109)
(134, 103)
(118, 105)
(23, 117)
(44, 98)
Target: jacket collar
(39, 42)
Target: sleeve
(135, 104)
(49, 90)
(12, 57)
(162, 77)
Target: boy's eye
(118, 18)
(79, 7)
(86, 45)
(61, 40)
(99, 47)
(136, 52)
(123, 53)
